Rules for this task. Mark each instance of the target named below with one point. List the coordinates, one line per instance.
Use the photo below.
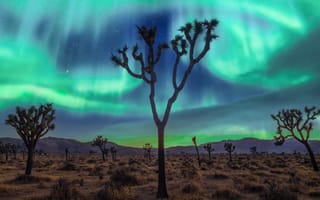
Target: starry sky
(266, 58)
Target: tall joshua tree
(297, 126)
(182, 45)
(100, 142)
(31, 124)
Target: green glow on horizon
(251, 34)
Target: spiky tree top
(100, 142)
(147, 146)
(229, 147)
(181, 45)
(32, 123)
(208, 147)
(296, 124)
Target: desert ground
(280, 176)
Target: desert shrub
(6, 191)
(314, 193)
(121, 177)
(67, 166)
(90, 161)
(190, 188)
(252, 187)
(63, 191)
(110, 192)
(274, 192)
(25, 179)
(188, 170)
(226, 194)
(217, 175)
(96, 171)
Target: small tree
(229, 147)
(147, 150)
(113, 151)
(100, 142)
(297, 126)
(31, 124)
(194, 140)
(185, 44)
(253, 150)
(209, 149)
(2, 151)
(66, 150)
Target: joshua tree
(31, 124)
(229, 147)
(147, 150)
(297, 125)
(181, 45)
(113, 151)
(100, 142)
(194, 140)
(66, 153)
(209, 149)
(253, 150)
(7, 150)
(1, 149)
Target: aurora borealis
(266, 58)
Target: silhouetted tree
(31, 124)
(181, 45)
(100, 142)
(147, 150)
(1, 149)
(113, 152)
(194, 140)
(66, 150)
(297, 126)
(229, 147)
(209, 149)
(253, 150)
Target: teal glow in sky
(59, 51)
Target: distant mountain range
(58, 145)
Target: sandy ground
(133, 177)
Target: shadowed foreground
(133, 177)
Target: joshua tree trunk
(312, 158)
(198, 156)
(102, 152)
(29, 161)
(209, 154)
(162, 187)
(230, 157)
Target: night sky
(267, 57)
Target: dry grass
(133, 177)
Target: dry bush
(6, 191)
(25, 179)
(190, 188)
(218, 175)
(275, 192)
(112, 193)
(91, 161)
(226, 194)
(96, 171)
(67, 166)
(63, 191)
(122, 177)
(314, 192)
